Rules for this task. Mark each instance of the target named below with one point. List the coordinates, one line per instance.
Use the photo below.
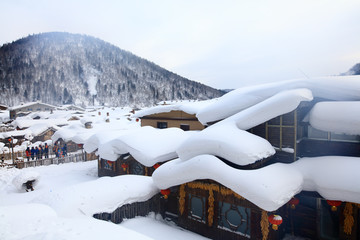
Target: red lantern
(124, 166)
(293, 202)
(333, 204)
(165, 193)
(137, 120)
(275, 220)
(80, 145)
(156, 165)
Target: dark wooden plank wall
(132, 210)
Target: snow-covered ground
(66, 196)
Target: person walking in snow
(28, 153)
(37, 152)
(46, 150)
(55, 150)
(32, 152)
(65, 149)
(41, 151)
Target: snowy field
(64, 199)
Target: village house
(179, 115)
(27, 108)
(301, 140)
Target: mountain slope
(61, 68)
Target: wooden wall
(219, 205)
(173, 119)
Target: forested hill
(63, 68)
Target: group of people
(43, 151)
(37, 152)
(60, 151)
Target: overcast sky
(224, 44)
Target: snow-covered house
(180, 115)
(138, 151)
(29, 107)
(213, 194)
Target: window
(314, 133)
(234, 218)
(162, 125)
(109, 165)
(136, 168)
(185, 127)
(197, 208)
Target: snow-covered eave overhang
(270, 187)
(335, 88)
(230, 140)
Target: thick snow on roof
(190, 107)
(30, 104)
(338, 117)
(334, 178)
(27, 122)
(147, 145)
(227, 139)
(77, 132)
(334, 88)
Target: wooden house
(29, 107)
(179, 119)
(217, 212)
(125, 164)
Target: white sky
(224, 44)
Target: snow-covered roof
(28, 122)
(190, 107)
(333, 177)
(147, 145)
(346, 88)
(30, 104)
(219, 139)
(338, 117)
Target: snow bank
(147, 145)
(270, 187)
(338, 117)
(24, 177)
(37, 221)
(105, 194)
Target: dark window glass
(197, 208)
(136, 168)
(162, 125)
(234, 218)
(185, 127)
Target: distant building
(26, 108)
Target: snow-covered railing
(79, 157)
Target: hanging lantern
(80, 145)
(124, 166)
(165, 193)
(156, 165)
(333, 204)
(293, 202)
(275, 220)
(137, 120)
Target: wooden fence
(79, 157)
